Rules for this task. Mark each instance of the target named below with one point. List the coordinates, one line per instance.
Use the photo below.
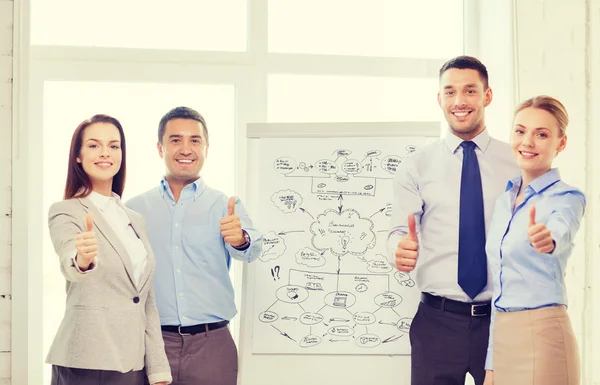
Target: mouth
(461, 115)
(527, 154)
(185, 162)
(103, 164)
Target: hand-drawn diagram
(323, 282)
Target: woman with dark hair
(528, 245)
(110, 333)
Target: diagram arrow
(332, 340)
(306, 212)
(340, 200)
(377, 212)
(391, 339)
(387, 323)
(283, 333)
(338, 273)
(291, 231)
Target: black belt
(478, 309)
(194, 329)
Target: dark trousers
(446, 346)
(72, 376)
(206, 358)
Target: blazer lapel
(139, 230)
(105, 229)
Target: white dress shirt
(427, 185)
(113, 212)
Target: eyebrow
(181, 136)
(471, 85)
(99, 141)
(537, 128)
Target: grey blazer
(110, 323)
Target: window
(175, 24)
(388, 28)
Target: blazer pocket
(202, 240)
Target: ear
(439, 97)
(206, 151)
(562, 144)
(159, 147)
(489, 95)
(78, 159)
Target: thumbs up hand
(407, 251)
(539, 235)
(86, 245)
(231, 227)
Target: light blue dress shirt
(524, 279)
(427, 184)
(192, 283)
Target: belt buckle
(474, 313)
(182, 334)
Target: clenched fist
(539, 235)
(86, 245)
(407, 250)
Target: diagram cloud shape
(286, 200)
(273, 246)
(342, 233)
(309, 257)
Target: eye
(471, 92)
(196, 140)
(174, 140)
(543, 135)
(519, 131)
(93, 146)
(448, 93)
(115, 147)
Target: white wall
(6, 49)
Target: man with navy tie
(444, 197)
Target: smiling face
(100, 155)
(184, 148)
(463, 98)
(536, 140)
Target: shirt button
(183, 317)
(176, 224)
(178, 270)
(136, 299)
(176, 247)
(181, 294)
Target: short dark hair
(181, 113)
(78, 183)
(467, 62)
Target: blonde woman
(529, 243)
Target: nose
(460, 100)
(185, 149)
(528, 140)
(104, 152)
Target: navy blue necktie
(472, 262)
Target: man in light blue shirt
(195, 231)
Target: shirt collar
(540, 183)
(101, 201)
(482, 141)
(198, 186)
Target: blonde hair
(551, 105)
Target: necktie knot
(468, 145)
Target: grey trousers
(71, 376)
(207, 358)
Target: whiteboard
(322, 196)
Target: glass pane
(139, 108)
(176, 24)
(390, 28)
(313, 98)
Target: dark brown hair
(181, 113)
(78, 183)
(467, 62)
